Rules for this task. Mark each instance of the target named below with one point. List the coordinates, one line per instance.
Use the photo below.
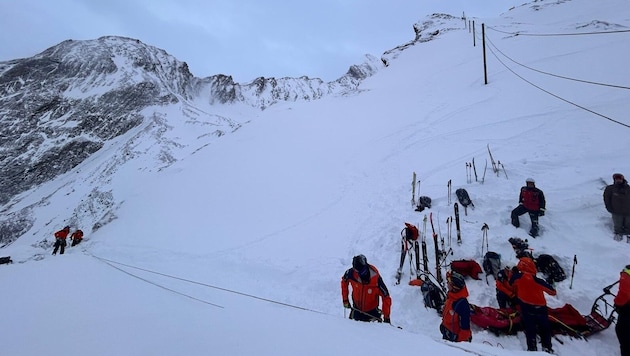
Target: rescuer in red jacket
(622, 306)
(529, 291)
(60, 240)
(76, 237)
(456, 314)
(531, 200)
(367, 288)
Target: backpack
(5, 260)
(467, 268)
(492, 263)
(463, 197)
(409, 232)
(433, 296)
(423, 202)
(548, 266)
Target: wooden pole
(483, 41)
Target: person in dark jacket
(531, 200)
(529, 291)
(367, 290)
(60, 240)
(622, 306)
(617, 202)
(455, 324)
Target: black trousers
(371, 315)
(60, 243)
(622, 329)
(520, 210)
(535, 320)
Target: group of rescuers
(522, 288)
(60, 239)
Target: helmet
(456, 280)
(526, 264)
(501, 276)
(359, 262)
(617, 176)
(66, 228)
(530, 180)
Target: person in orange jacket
(622, 306)
(60, 240)
(367, 288)
(529, 291)
(456, 314)
(505, 291)
(76, 237)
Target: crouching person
(456, 315)
(367, 288)
(505, 291)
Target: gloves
(386, 320)
(541, 212)
(346, 304)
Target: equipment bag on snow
(463, 197)
(423, 202)
(410, 232)
(492, 263)
(548, 265)
(5, 260)
(432, 295)
(467, 268)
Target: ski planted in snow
(413, 190)
(457, 226)
(438, 270)
(425, 259)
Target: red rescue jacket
(456, 314)
(623, 295)
(365, 296)
(532, 198)
(527, 287)
(77, 235)
(62, 234)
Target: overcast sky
(242, 38)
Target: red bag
(467, 268)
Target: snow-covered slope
(250, 233)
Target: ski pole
(573, 271)
(607, 289)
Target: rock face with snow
(59, 107)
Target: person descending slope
(60, 240)
(367, 288)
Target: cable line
(555, 95)
(557, 34)
(202, 284)
(551, 74)
(109, 263)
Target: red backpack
(410, 232)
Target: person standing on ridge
(617, 202)
(60, 240)
(622, 306)
(455, 324)
(367, 287)
(531, 200)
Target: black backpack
(463, 197)
(433, 296)
(423, 202)
(548, 266)
(492, 263)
